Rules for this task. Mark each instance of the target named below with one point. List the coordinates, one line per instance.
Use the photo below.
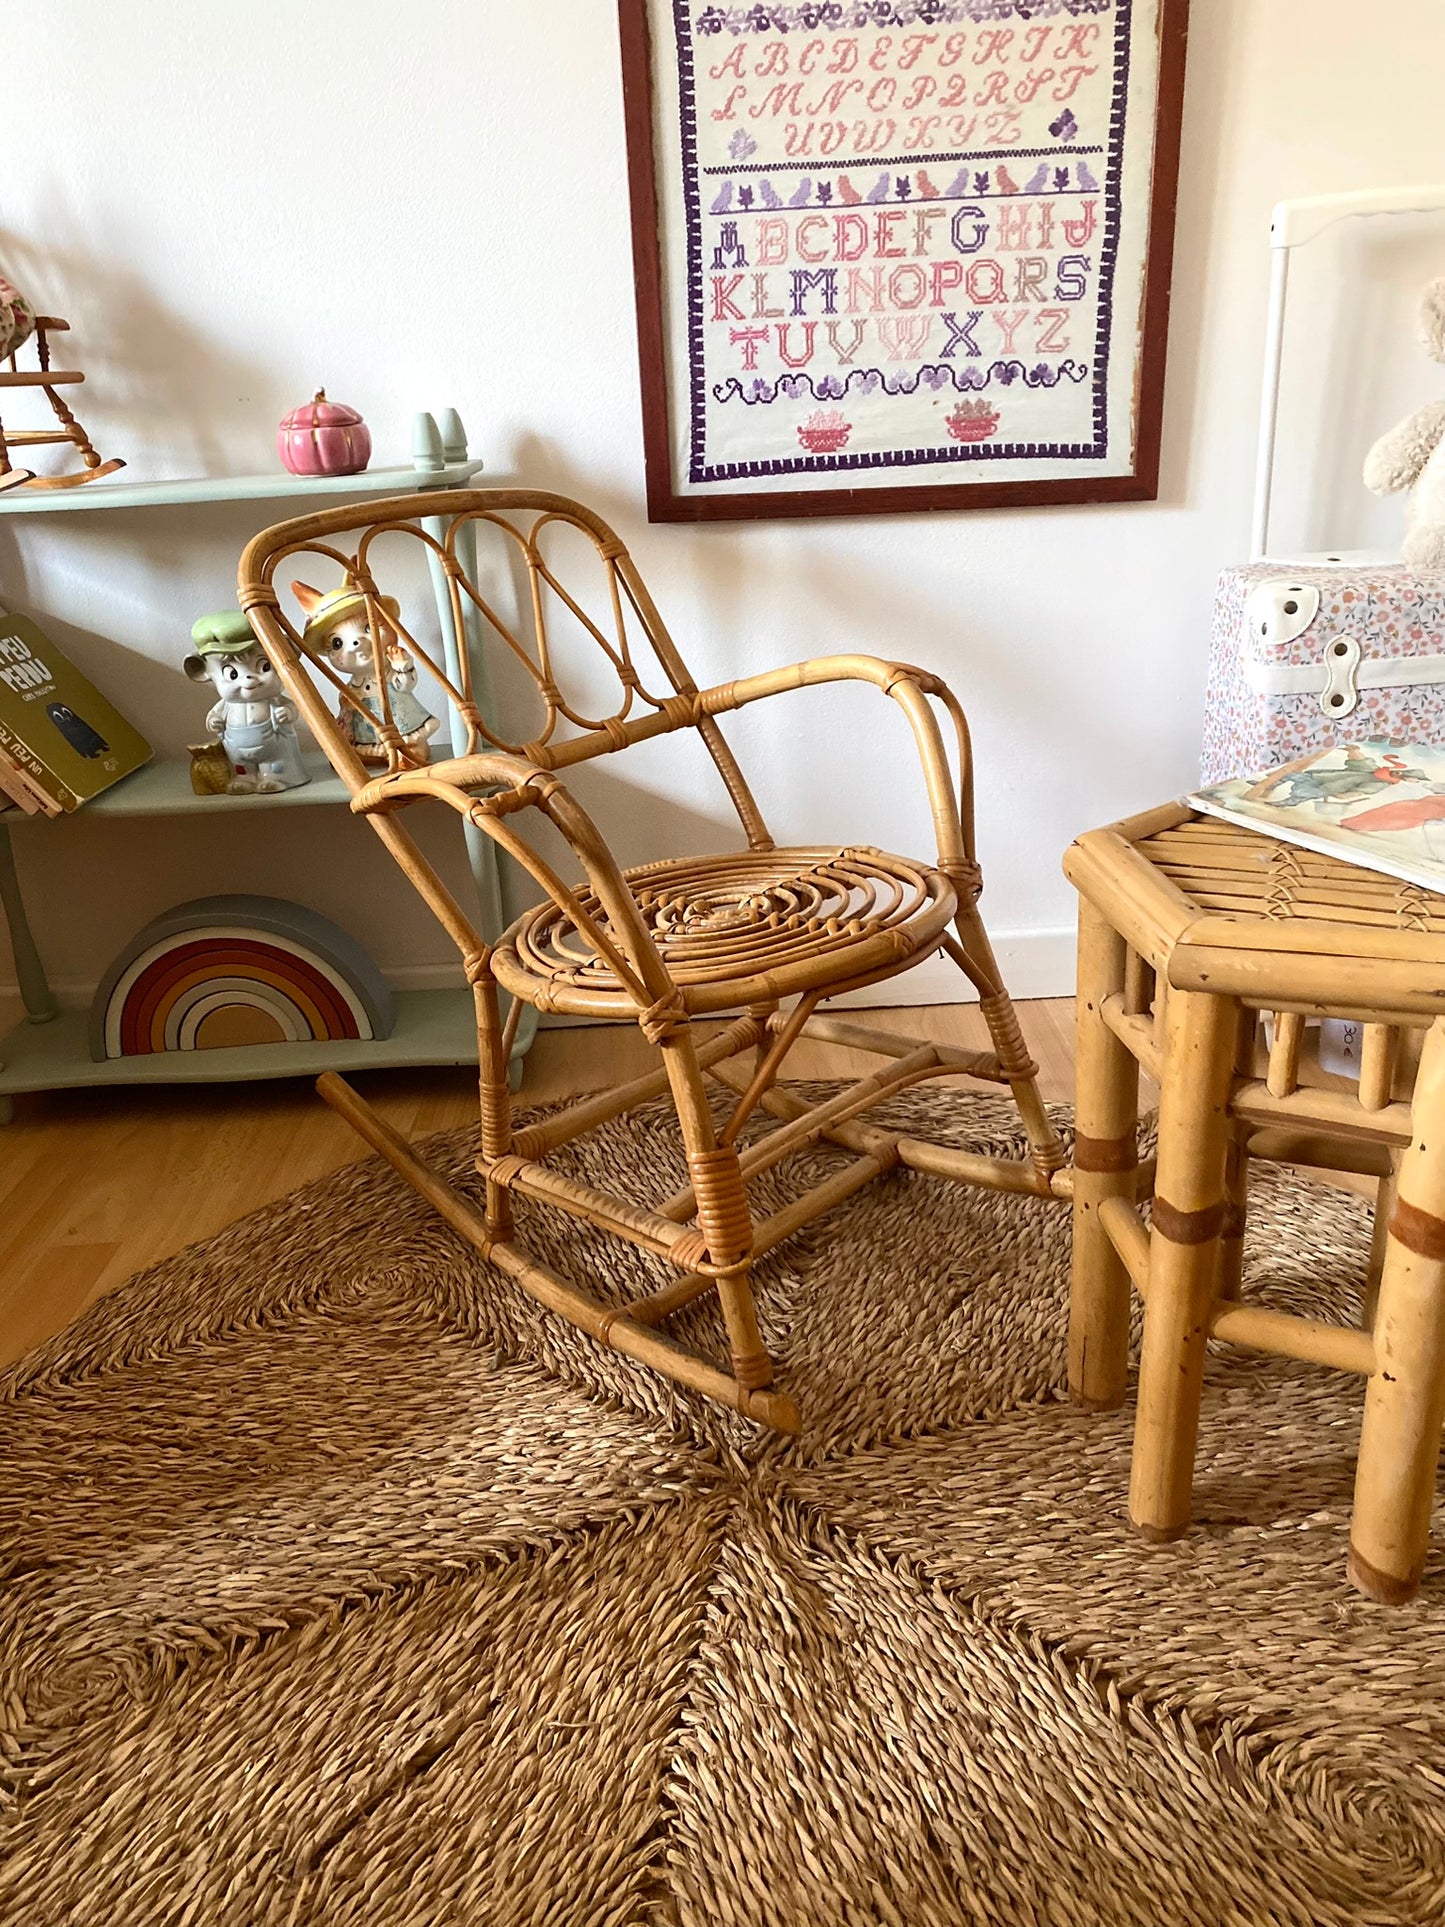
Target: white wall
(423, 202)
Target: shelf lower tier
(163, 788)
(432, 1027)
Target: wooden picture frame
(814, 243)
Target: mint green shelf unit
(164, 788)
(432, 1027)
(449, 472)
(50, 1049)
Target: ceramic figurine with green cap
(338, 629)
(251, 720)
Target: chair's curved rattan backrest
(361, 547)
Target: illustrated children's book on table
(1379, 803)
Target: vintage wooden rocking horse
(658, 946)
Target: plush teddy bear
(1412, 455)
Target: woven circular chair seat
(740, 927)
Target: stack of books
(61, 741)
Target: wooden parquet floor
(95, 1185)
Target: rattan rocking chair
(659, 946)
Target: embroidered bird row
(736, 196)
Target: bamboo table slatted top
(1243, 873)
(1217, 907)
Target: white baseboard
(1035, 963)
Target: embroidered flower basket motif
(972, 421)
(825, 431)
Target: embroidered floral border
(825, 14)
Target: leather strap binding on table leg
(1187, 1227)
(1420, 1231)
(1106, 1155)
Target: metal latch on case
(1333, 680)
(1341, 664)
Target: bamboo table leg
(1106, 1158)
(1236, 1218)
(1236, 1174)
(1405, 1398)
(1379, 1245)
(1189, 1198)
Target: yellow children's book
(55, 726)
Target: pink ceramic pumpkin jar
(324, 438)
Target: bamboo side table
(1189, 931)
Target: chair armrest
(453, 777)
(518, 785)
(882, 674)
(911, 688)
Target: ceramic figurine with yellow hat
(337, 629)
(251, 719)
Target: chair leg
(722, 1209)
(1405, 1397)
(494, 1098)
(752, 1366)
(605, 1323)
(73, 429)
(1106, 1160)
(974, 954)
(1189, 1202)
(760, 1013)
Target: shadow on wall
(143, 365)
(760, 582)
(154, 695)
(721, 552)
(748, 571)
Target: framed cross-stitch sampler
(901, 254)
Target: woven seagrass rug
(341, 1584)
